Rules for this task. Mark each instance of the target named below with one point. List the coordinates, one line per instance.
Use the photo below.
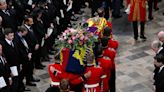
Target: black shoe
(162, 13)
(136, 39)
(143, 37)
(30, 84)
(27, 89)
(151, 18)
(35, 80)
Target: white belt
(104, 76)
(91, 86)
(55, 83)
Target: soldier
(54, 79)
(108, 51)
(138, 14)
(107, 66)
(92, 84)
(108, 33)
(57, 73)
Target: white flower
(61, 39)
(65, 37)
(72, 30)
(64, 34)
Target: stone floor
(134, 60)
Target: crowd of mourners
(28, 29)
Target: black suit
(9, 21)
(31, 39)
(161, 51)
(19, 11)
(116, 7)
(26, 63)
(107, 4)
(11, 53)
(39, 30)
(23, 50)
(12, 56)
(95, 4)
(2, 36)
(5, 73)
(159, 81)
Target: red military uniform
(73, 78)
(137, 10)
(64, 56)
(61, 74)
(113, 44)
(55, 80)
(109, 52)
(107, 66)
(92, 84)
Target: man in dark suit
(4, 73)
(2, 36)
(25, 57)
(8, 16)
(95, 4)
(107, 5)
(11, 53)
(158, 77)
(41, 34)
(116, 4)
(33, 45)
(152, 3)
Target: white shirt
(160, 49)
(24, 41)
(2, 60)
(6, 12)
(29, 2)
(161, 68)
(28, 27)
(9, 42)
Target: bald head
(155, 45)
(161, 36)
